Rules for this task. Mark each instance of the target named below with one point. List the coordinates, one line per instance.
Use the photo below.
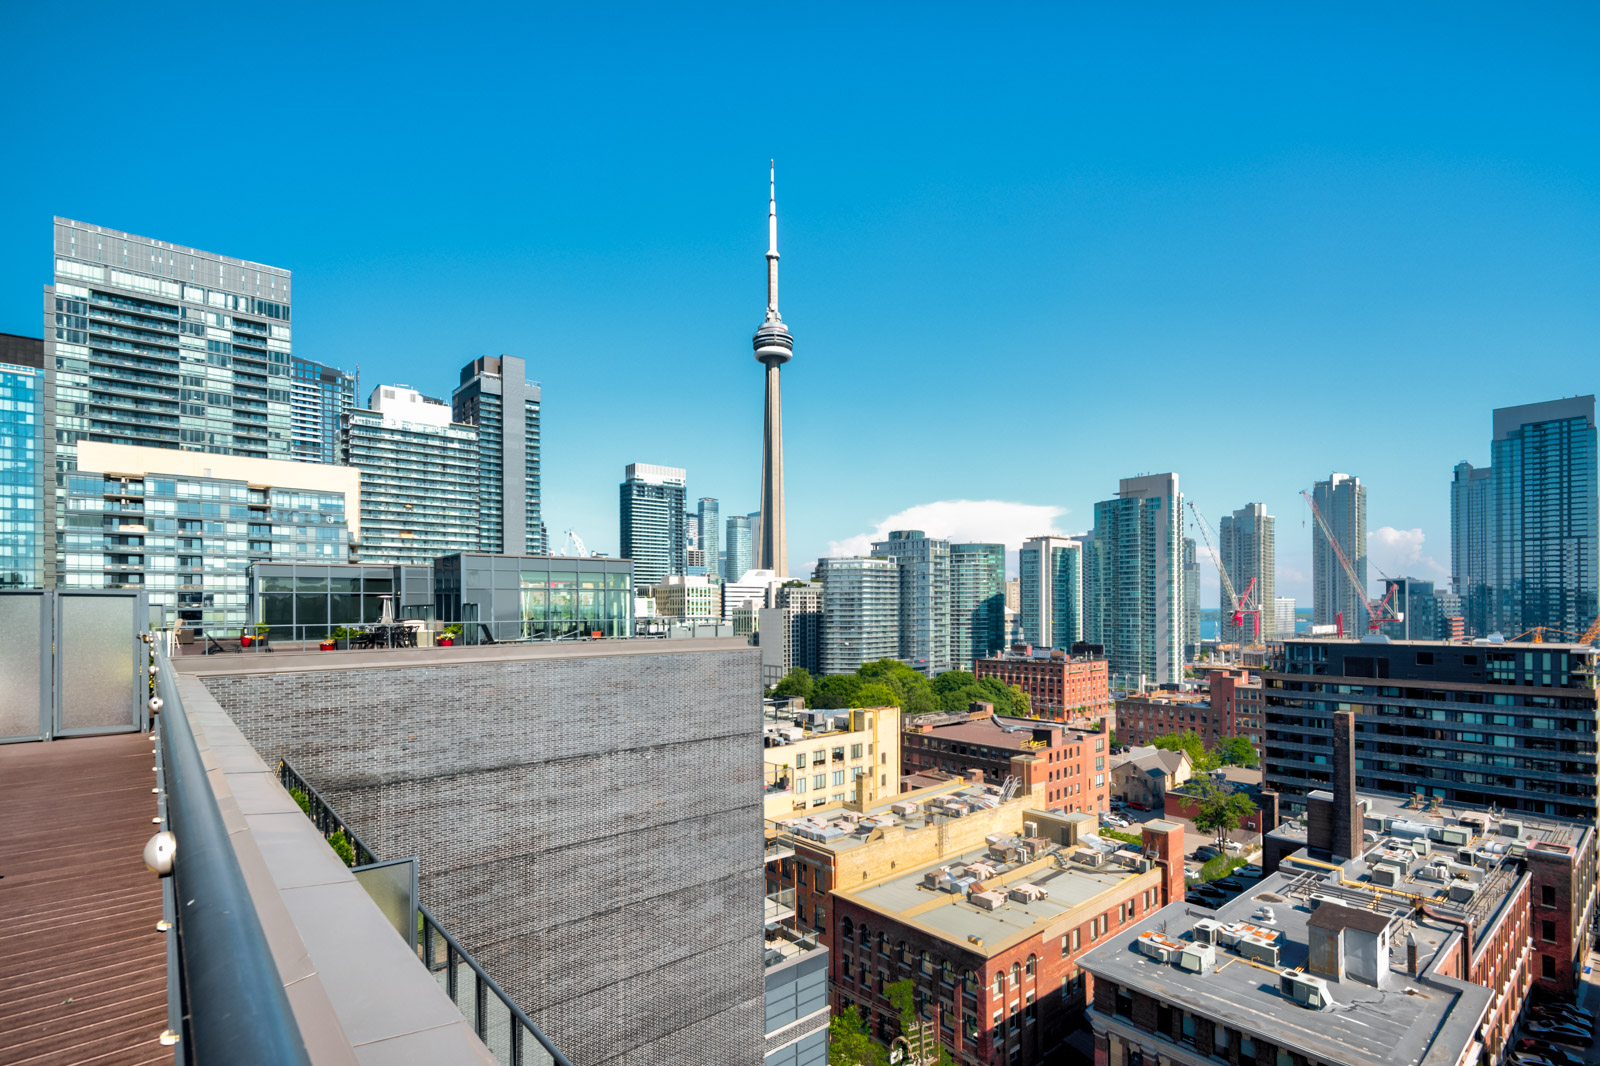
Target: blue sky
(1025, 251)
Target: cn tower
(774, 347)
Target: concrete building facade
(1050, 577)
(817, 758)
(652, 521)
(495, 396)
(568, 849)
(419, 477)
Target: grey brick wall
(589, 828)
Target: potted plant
(328, 643)
(245, 639)
(341, 637)
(447, 638)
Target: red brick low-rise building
(1069, 763)
(1240, 700)
(991, 939)
(1062, 685)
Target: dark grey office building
(1470, 559)
(496, 396)
(1510, 725)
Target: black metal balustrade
(510, 1034)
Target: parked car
(1568, 1010)
(1557, 1054)
(1206, 852)
(1250, 870)
(1532, 1060)
(1210, 890)
(1560, 1032)
(1200, 901)
(1560, 1056)
(1228, 884)
(1139, 805)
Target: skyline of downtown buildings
(160, 345)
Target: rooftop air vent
(1310, 992)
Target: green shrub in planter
(342, 847)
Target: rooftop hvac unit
(1308, 991)
(1258, 950)
(1511, 828)
(1090, 857)
(1027, 893)
(1265, 916)
(1385, 875)
(1422, 845)
(1455, 835)
(1156, 946)
(1438, 870)
(1462, 892)
(1517, 850)
(989, 901)
(1464, 856)
(904, 810)
(1208, 931)
(1197, 958)
(981, 870)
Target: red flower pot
(447, 642)
(245, 642)
(329, 645)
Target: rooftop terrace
(842, 828)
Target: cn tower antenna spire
(772, 243)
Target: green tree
(1190, 744)
(797, 682)
(1221, 809)
(834, 692)
(1236, 751)
(874, 694)
(903, 996)
(849, 1043)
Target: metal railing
(233, 1005)
(510, 1035)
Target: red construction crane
(1375, 616)
(1242, 605)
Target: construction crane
(1375, 616)
(1250, 602)
(573, 545)
(1538, 633)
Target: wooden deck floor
(83, 970)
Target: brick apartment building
(1240, 699)
(1070, 764)
(1062, 685)
(992, 937)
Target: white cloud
(1399, 553)
(990, 521)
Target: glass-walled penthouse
(534, 597)
(311, 602)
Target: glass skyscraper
(1050, 575)
(319, 397)
(419, 478)
(1247, 542)
(1342, 499)
(651, 514)
(924, 597)
(710, 539)
(187, 528)
(1543, 539)
(977, 602)
(1470, 563)
(508, 450)
(1139, 611)
(164, 346)
(738, 552)
(27, 524)
(1191, 600)
(860, 612)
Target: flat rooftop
(1067, 885)
(252, 662)
(1001, 731)
(1369, 1026)
(842, 828)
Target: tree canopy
(849, 1042)
(1221, 809)
(797, 682)
(1229, 751)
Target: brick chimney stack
(1347, 820)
